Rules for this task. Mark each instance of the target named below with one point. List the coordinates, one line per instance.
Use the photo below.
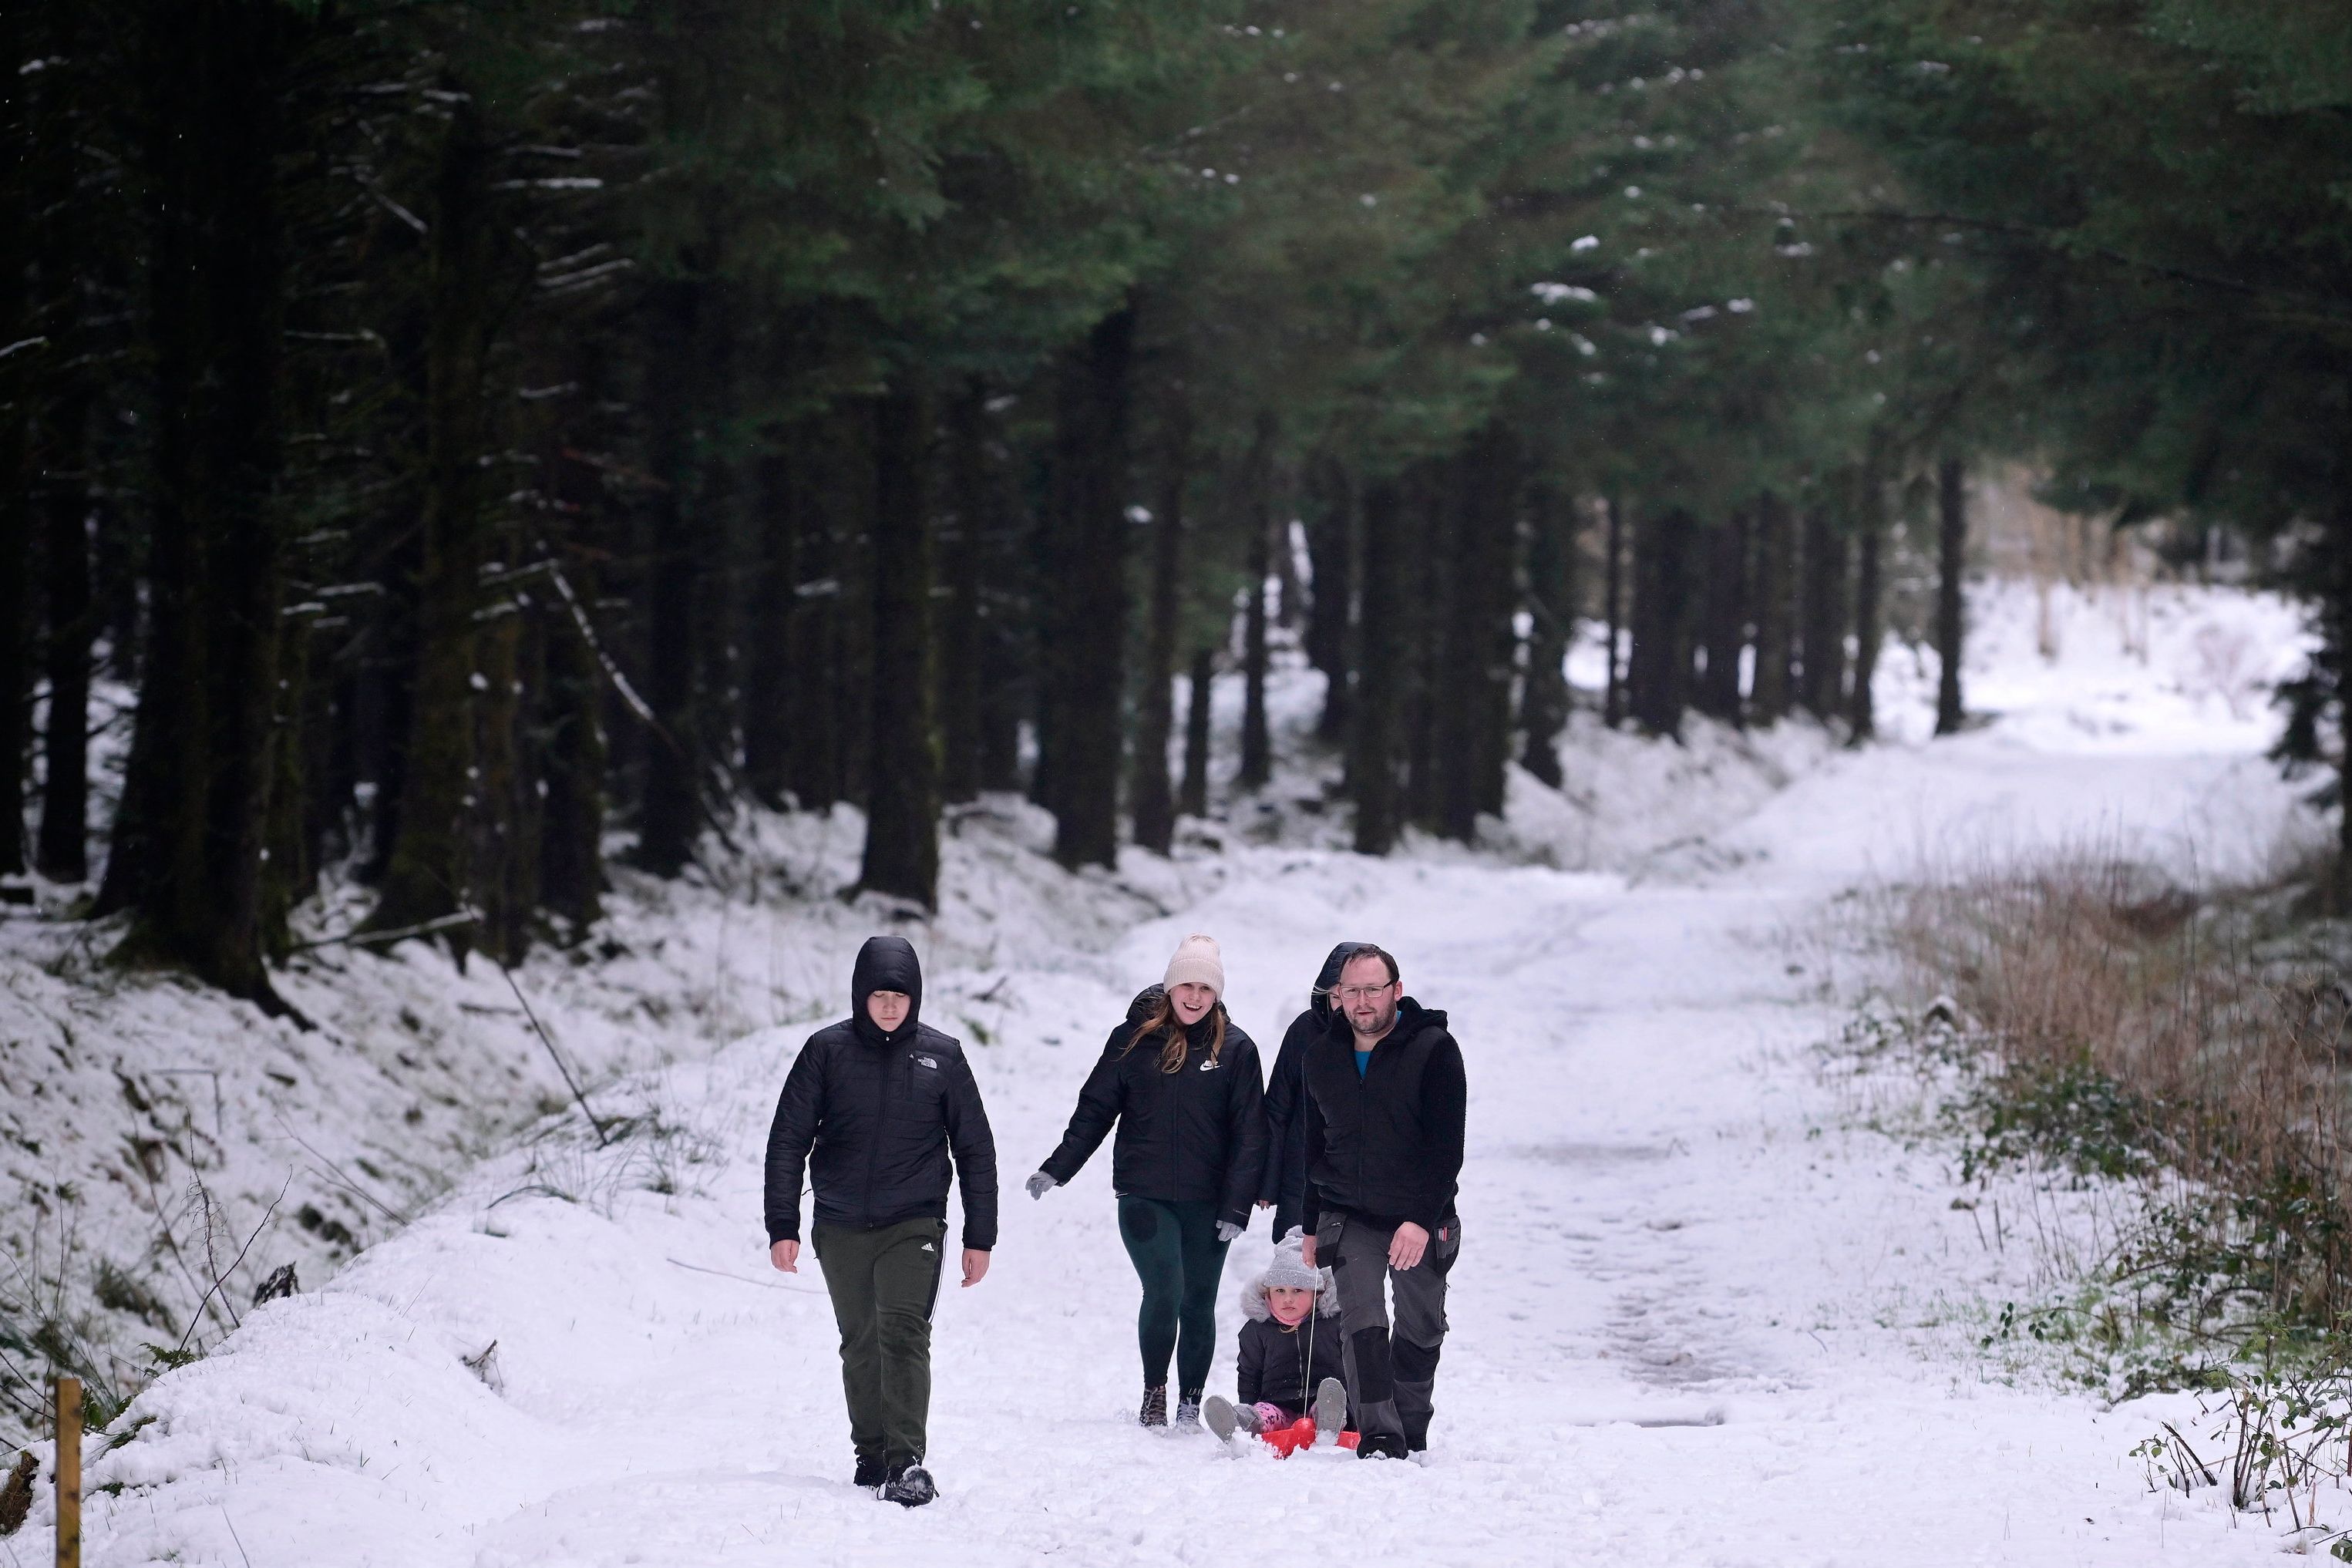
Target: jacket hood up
(1253, 1305)
(1319, 999)
(886, 964)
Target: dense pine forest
(447, 443)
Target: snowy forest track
(1699, 1317)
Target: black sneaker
(1155, 1407)
(910, 1486)
(1188, 1412)
(870, 1472)
(1373, 1446)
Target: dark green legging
(1177, 1257)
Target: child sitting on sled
(1291, 1395)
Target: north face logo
(926, 1061)
(1208, 1067)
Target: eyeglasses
(1360, 992)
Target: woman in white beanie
(1182, 1085)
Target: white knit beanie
(1290, 1270)
(1197, 962)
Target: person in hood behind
(1386, 1095)
(883, 1100)
(1182, 1087)
(1283, 1188)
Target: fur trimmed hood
(1253, 1297)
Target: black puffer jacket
(1284, 1184)
(1285, 1366)
(1387, 1146)
(874, 1117)
(1197, 1134)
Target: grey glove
(1038, 1185)
(1228, 1230)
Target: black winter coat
(1284, 1184)
(1387, 1146)
(1285, 1366)
(874, 1116)
(1195, 1135)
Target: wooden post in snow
(69, 1468)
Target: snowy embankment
(1698, 1316)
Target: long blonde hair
(1163, 1020)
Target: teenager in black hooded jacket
(872, 1107)
(1182, 1087)
(1283, 1187)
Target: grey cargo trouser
(1390, 1378)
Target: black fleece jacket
(874, 1117)
(1284, 1182)
(1195, 1135)
(1284, 1366)
(1386, 1146)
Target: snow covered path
(1698, 1318)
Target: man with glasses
(1385, 1097)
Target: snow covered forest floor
(1703, 1314)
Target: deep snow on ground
(1700, 1316)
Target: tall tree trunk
(62, 262)
(1090, 598)
(1192, 800)
(291, 867)
(813, 709)
(1774, 547)
(1430, 522)
(1008, 644)
(503, 857)
(852, 634)
(1869, 615)
(1552, 616)
(1822, 686)
(1951, 564)
(2335, 657)
(961, 658)
(430, 874)
(1657, 675)
(1723, 633)
(669, 817)
(390, 695)
(1330, 557)
(186, 858)
(1007, 655)
(15, 446)
(1612, 699)
(1473, 694)
(770, 614)
(1258, 745)
(572, 863)
(1153, 808)
(1372, 761)
(902, 779)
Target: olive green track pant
(884, 1283)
